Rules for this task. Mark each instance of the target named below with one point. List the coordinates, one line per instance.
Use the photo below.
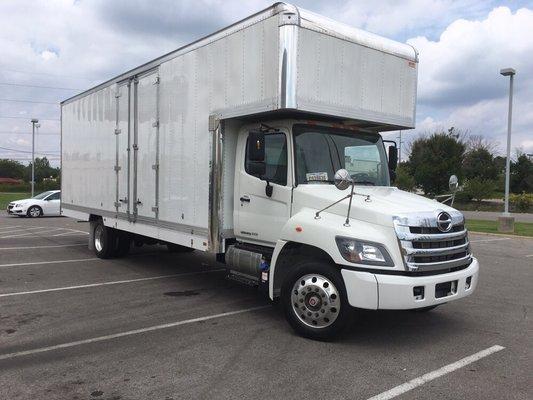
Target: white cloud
(77, 44)
(459, 75)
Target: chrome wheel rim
(35, 212)
(99, 238)
(315, 301)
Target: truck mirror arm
(349, 196)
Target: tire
(34, 212)
(314, 300)
(176, 248)
(104, 240)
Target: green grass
(477, 225)
(5, 198)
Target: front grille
(433, 230)
(426, 248)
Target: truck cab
(325, 242)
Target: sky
(53, 49)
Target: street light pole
(400, 148)
(34, 122)
(506, 222)
(510, 72)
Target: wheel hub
(99, 238)
(315, 300)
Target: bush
(463, 196)
(26, 187)
(479, 189)
(521, 202)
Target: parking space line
(127, 333)
(30, 233)
(9, 227)
(48, 262)
(43, 247)
(489, 240)
(71, 232)
(22, 229)
(90, 285)
(529, 255)
(414, 383)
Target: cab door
(258, 216)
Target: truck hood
(376, 205)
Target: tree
(434, 158)
(42, 170)
(479, 189)
(479, 163)
(521, 175)
(11, 169)
(404, 179)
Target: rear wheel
(35, 212)
(104, 240)
(314, 300)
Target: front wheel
(315, 302)
(34, 212)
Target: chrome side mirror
(343, 180)
(453, 183)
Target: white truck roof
(304, 18)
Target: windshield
(321, 151)
(42, 195)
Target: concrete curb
(500, 234)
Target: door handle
(124, 200)
(245, 199)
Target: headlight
(361, 252)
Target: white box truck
(260, 143)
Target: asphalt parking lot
(156, 325)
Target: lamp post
(34, 123)
(400, 148)
(506, 222)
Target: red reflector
(299, 229)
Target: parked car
(46, 203)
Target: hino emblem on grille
(444, 222)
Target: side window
(55, 196)
(275, 159)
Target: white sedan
(46, 203)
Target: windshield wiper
(320, 181)
(364, 183)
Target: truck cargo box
(143, 147)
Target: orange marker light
(299, 229)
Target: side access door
(261, 212)
(137, 147)
(123, 159)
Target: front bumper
(16, 211)
(396, 292)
